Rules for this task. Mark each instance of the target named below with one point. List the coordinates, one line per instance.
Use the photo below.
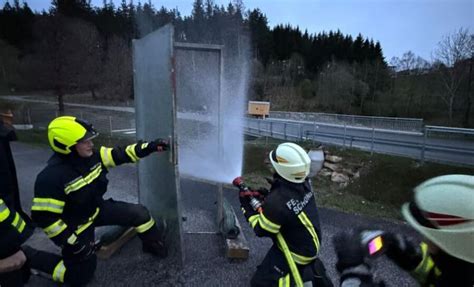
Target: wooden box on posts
(259, 109)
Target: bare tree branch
(452, 50)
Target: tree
(72, 8)
(197, 29)
(16, 24)
(90, 67)
(145, 18)
(67, 56)
(117, 77)
(9, 64)
(338, 90)
(410, 87)
(469, 92)
(261, 36)
(409, 63)
(306, 88)
(450, 53)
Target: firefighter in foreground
(443, 212)
(16, 258)
(68, 202)
(15, 228)
(289, 216)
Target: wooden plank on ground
(237, 248)
(109, 249)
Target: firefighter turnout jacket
(14, 230)
(437, 270)
(69, 190)
(15, 227)
(290, 217)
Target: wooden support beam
(113, 245)
(237, 248)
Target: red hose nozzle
(237, 181)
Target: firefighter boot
(154, 240)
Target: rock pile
(333, 167)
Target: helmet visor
(90, 134)
(420, 216)
(433, 220)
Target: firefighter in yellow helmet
(443, 212)
(288, 216)
(68, 202)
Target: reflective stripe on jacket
(14, 230)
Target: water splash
(210, 133)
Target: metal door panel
(155, 102)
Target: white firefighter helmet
(443, 211)
(291, 162)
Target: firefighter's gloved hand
(249, 193)
(244, 199)
(404, 252)
(349, 251)
(351, 261)
(245, 205)
(159, 145)
(263, 192)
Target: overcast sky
(399, 25)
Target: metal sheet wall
(156, 117)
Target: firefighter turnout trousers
(79, 271)
(274, 271)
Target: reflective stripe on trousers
(291, 263)
(59, 271)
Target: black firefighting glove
(259, 194)
(263, 192)
(403, 251)
(244, 199)
(143, 149)
(79, 251)
(350, 259)
(158, 145)
(348, 250)
(245, 205)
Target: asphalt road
(205, 264)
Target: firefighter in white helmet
(443, 212)
(288, 216)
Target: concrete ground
(205, 264)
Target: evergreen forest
(76, 48)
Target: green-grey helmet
(443, 211)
